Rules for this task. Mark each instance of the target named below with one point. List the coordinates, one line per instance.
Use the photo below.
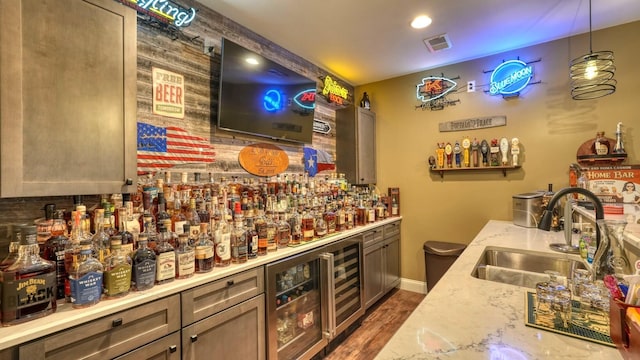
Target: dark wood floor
(380, 323)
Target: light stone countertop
(468, 318)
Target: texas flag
(317, 160)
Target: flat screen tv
(260, 97)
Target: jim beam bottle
(29, 284)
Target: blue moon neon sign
(510, 77)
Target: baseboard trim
(413, 285)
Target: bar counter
(468, 318)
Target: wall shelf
(504, 169)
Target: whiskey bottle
(127, 237)
(14, 245)
(28, 286)
(100, 239)
(72, 249)
(143, 265)
(252, 239)
(177, 218)
(185, 258)
(204, 250)
(308, 226)
(239, 242)
(284, 231)
(295, 224)
(117, 272)
(54, 249)
(86, 279)
(165, 258)
(222, 240)
(260, 223)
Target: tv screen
(261, 97)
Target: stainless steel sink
(522, 267)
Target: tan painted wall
(551, 126)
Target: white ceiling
(363, 41)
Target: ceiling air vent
(438, 43)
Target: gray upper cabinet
(356, 144)
(67, 97)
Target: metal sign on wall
(168, 93)
(472, 124)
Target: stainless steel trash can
(438, 257)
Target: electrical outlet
(208, 47)
(471, 86)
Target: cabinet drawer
(110, 336)
(235, 333)
(372, 236)
(391, 229)
(208, 299)
(167, 348)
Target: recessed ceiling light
(252, 60)
(421, 22)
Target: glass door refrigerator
(313, 297)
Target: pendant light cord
(590, 41)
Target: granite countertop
(467, 318)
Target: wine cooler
(312, 298)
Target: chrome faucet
(547, 215)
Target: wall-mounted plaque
(263, 159)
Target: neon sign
(272, 101)
(510, 77)
(333, 91)
(306, 99)
(434, 87)
(163, 10)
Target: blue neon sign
(510, 77)
(272, 100)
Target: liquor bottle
(165, 258)
(341, 218)
(329, 217)
(54, 249)
(395, 210)
(100, 239)
(14, 245)
(284, 231)
(239, 242)
(204, 250)
(117, 272)
(72, 250)
(272, 232)
(177, 218)
(260, 223)
(365, 103)
(128, 245)
(86, 279)
(170, 237)
(193, 220)
(222, 240)
(308, 226)
(143, 265)
(380, 210)
(601, 145)
(252, 239)
(28, 275)
(185, 258)
(320, 228)
(162, 209)
(295, 224)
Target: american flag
(160, 148)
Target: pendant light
(592, 74)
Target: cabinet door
(373, 274)
(366, 142)
(67, 97)
(392, 262)
(167, 348)
(235, 333)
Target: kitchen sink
(521, 267)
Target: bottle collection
(474, 153)
(170, 230)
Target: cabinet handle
(194, 338)
(230, 282)
(116, 322)
(173, 349)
